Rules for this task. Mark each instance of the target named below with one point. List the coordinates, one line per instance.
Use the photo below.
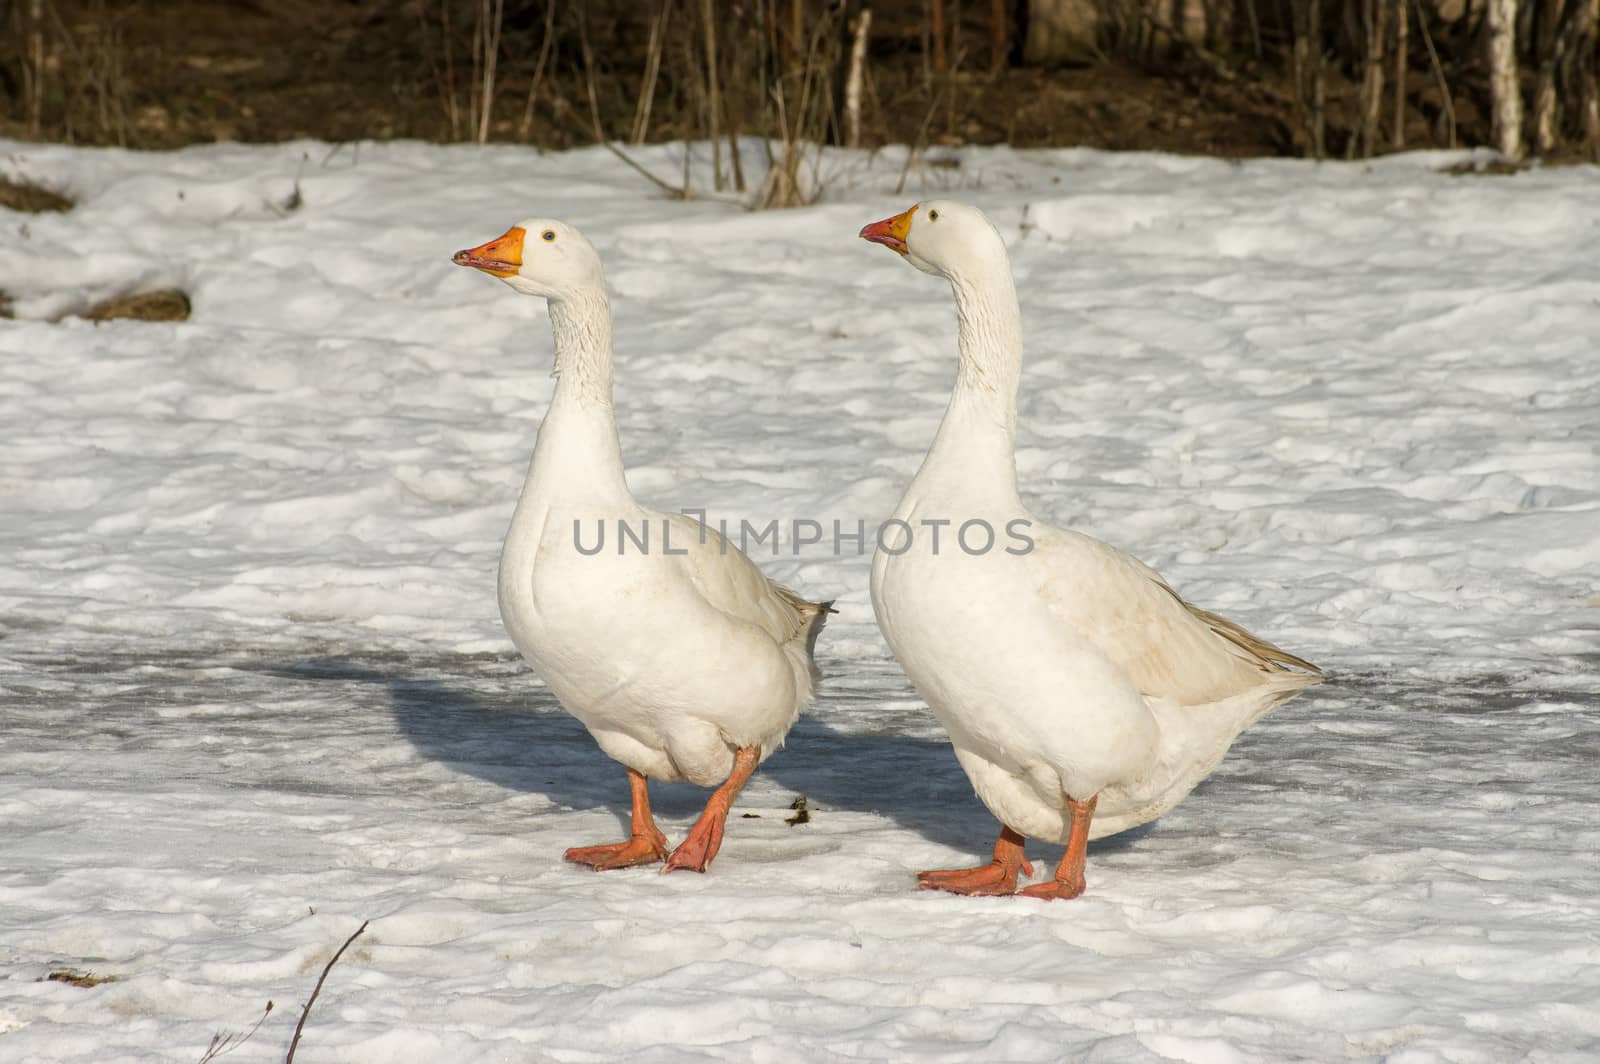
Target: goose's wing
(1169, 648)
(733, 584)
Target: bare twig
(33, 71)
(1438, 73)
(526, 125)
(599, 128)
(227, 1043)
(918, 144)
(305, 1012)
(652, 71)
(449, 71)
(491, 17)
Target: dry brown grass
(82, 980)
(168, 304)
(30, 198)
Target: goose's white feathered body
(671, 661)
(1060, 666)
(671, 647)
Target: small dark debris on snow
(31, 198)
(84, 980)
(752, 816)
(802, 812)
(169, 304)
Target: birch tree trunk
(852, 84)
(1548, 46)
(1505, 97)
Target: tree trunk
(1397, 136)
(1548, 47)
(852, 85)
(1589, 60)
(1372, 82)
(714, 96)
(1505, 96)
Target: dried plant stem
(652, 71)
(713, 97)
(491, 18)
(918, 145)
(1438, 73)
(545, 45)
(33, 73)
(300, 1027)
(451, 108)
(222, 1044)
(599, 127)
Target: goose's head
(539, 257)
(941, 237)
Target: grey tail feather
(1272, 658)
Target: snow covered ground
(253, 688)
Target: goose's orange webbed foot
(1069, 881)
(999, 876)
(705, 838)
(639, 850)
(646, 845)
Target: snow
(253, 687)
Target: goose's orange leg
(999, 876)
(646, 846)
(1069, 881)
(705, 838)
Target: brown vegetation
(168, 304)
(82, 980)
(29, 198)
(1343, 78)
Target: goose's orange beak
(891, 232)
(500, 256)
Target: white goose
(681, 658)
(1082, 694)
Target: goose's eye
(933, 216)
(549, 236)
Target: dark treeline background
(1322, 78)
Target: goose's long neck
(578, 455)
(975, 449)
